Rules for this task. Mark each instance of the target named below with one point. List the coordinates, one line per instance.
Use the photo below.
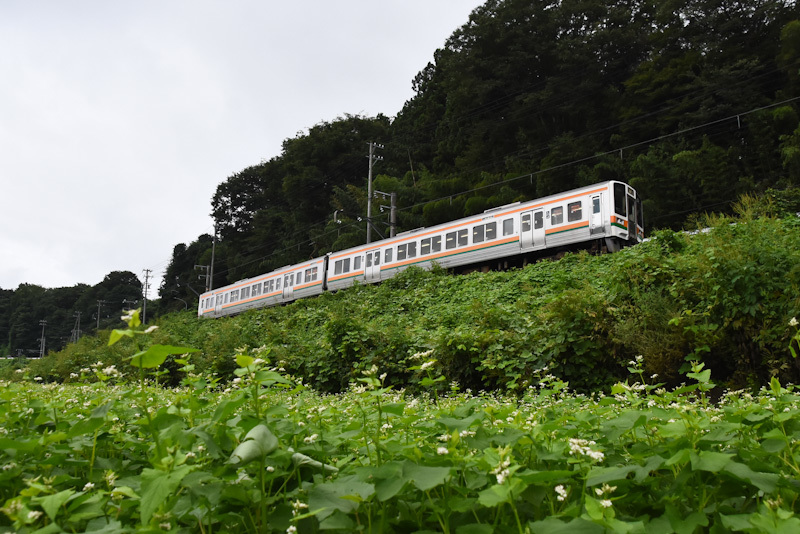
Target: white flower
(444, 437)
(151, 329)
(605, 503)
(34, 514)
(311, 439)
(442, 451)
(165, 526)
(291, 530)
(88, 486)
(427, 365)
(793, 322)
(562, 493)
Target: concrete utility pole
(99, 304)
(76, 329)
(144, 294)
(392, 210)
(213, 251)
(43, 324)
(372, 159)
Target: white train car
(283, 285)
(608, 213)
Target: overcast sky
(119, 119)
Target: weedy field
(266, 454)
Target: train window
(219, 300)
(387, 256)
(463, 237)
(227, 297)
(268, 285)
(425, 246)
(436, 243)
(245, 292)
(377, 257)
(491, 231)
(401, 252)
(369, 260)
(346, 265)
(508, 227)
(526, 222)
(450, 240)
(337, 267)
(307, 275)
(557, 215)
(478, 233)
(619, 200)
(234, 295)
(574, 211)
(412, 249)
(596, 205)
(257, 290)
(278, 284)
(356, 263)
(314, 272)
(538, 220)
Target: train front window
(620, 207)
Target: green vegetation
(723, 297)
(267, 454)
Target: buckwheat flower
(793, 322)
(311, 439)
(38, 378)
(88, 486)
(427, 365)
(605, 503)
(270, 469)
(444, 437)
(34, 514)
(562, 493)
(442, 451)
(165, 526)
(291, 530)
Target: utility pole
(144, 294)
(76, 329)
(213, 251)
(99, 303)
(206, 277)
(43, 324)
(372, 159)
(392, 210)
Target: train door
(531, 232)
(372, 272)
(596, 224)
(217, 304)
(288, 286)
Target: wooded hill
(693, 102)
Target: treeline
(62, 314)
(693, 102)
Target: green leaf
(425, 477)
(243, 360)
(300, 459)
(156, 354)
(52, 503)
(475, 528)
(766, 482)
(578, 525)
(257, 444)
(333, 496)
(116, 335)
(495, 495)
(157, 487)
(713, 462)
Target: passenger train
(607, 215)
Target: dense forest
(694, 102)
(32, 313)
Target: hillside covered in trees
(693, 102)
